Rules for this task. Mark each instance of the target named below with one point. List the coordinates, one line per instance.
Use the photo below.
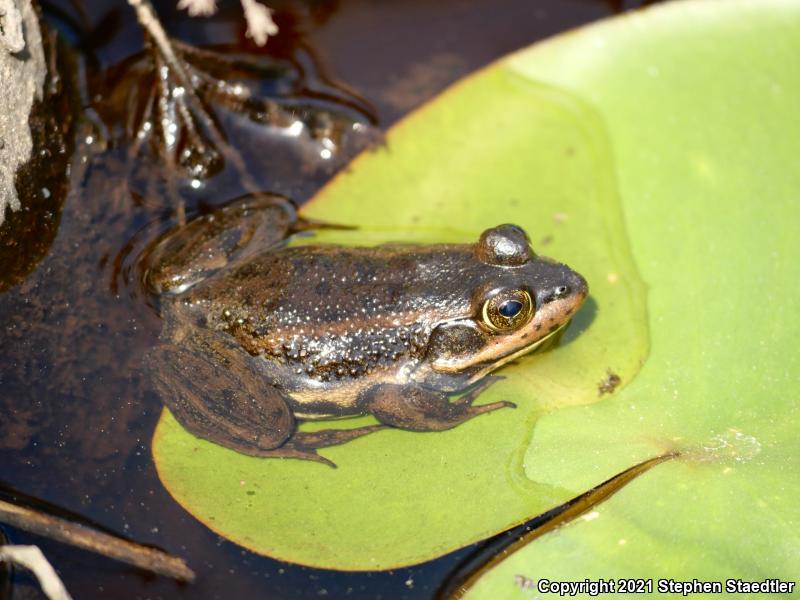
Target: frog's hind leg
(419, 409)
(229, 234)
(213, 389)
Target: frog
(260, 335)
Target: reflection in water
(200, 118)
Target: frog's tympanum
(258, 335)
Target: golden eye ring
(507, 310)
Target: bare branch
(198, 8)
(259, 21)
(260, 25)
(81, 536)
(31, 558)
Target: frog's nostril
(561, 291)
(579, 285)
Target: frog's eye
(507, 310)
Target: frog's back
(333, 311)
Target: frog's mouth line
(521, 352)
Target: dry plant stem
(149, 20)
(180, 208)
(55, 528)
(31, 558)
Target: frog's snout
(557, 281)
(577, 286)
(571, 290)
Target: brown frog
(259, 335)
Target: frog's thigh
(418, 409)
(208, 243)
(213, 389)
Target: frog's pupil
(510, 308)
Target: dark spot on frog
(609, 383)
(250, 493)
(228, 395)
(553, 327)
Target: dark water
(76, 415)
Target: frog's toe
(324, 461)
(320, 459)
(290, 451)
(304, 444)
(474, 411)
(330, 437)
(307, 454)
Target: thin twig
(31, 558)
(148, 19)
(81, 536)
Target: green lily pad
(700, 102)
(496, 148)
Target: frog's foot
(304, 444)
(288, 451)
(484, 384)
(306, 224)
(417, 409)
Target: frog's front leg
(416, 408)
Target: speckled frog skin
(258, 335)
